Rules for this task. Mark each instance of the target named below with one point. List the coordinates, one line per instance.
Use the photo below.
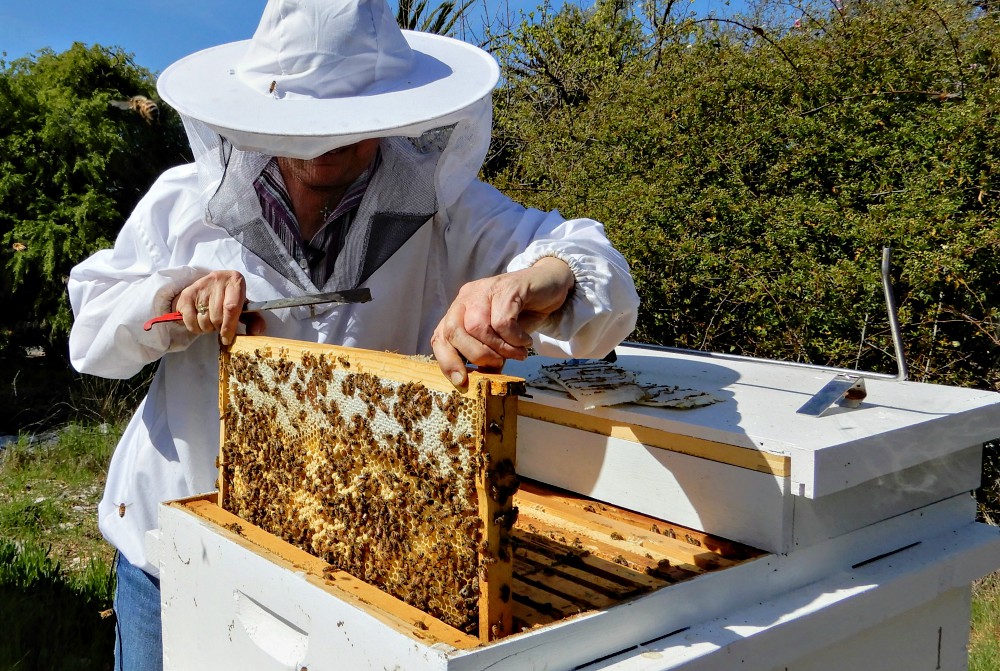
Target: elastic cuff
(552, 321)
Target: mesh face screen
(399, 199)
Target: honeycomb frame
(376, 464)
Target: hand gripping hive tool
(346, 296)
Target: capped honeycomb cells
(375, 476)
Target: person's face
(335, 169)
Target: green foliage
(25, 515)
(72, 167)
(988, 495)
(441, 20)
(752, 173)
(75, 455)
(52, 620)
(55, 569)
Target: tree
(441, 20)
(752, 170)
(72, 167)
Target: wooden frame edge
(743, 457)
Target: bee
(141, 105)
(271, 89)
(19, 246)
(121, 509)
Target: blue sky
(159, 32)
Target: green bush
(72, 167)
(49, 619)
(752, 168)
(752, 172)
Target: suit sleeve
(115, 291)
(489, 234)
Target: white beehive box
(866, 513)
(750, 468)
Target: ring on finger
(201, 308)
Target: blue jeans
(138, 634)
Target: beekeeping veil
(323, 74)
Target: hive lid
(899, 424)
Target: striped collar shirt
(318, 255)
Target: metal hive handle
(890, 306)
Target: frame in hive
(378, 465)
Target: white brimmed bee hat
(322, 74)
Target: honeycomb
(376, 476)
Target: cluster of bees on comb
(375, 476)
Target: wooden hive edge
(639, 524)
(383, 364)
(393, 612)
(733, 455)
(224, 366)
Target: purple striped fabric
(316, 256)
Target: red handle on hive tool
(346, 296)
(169, 317)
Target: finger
(209, 308)
(482, 340)
(449, 360)
(475, 351)
(449, 342)
(482, 347)
(204, 323)
(186, 306)
(233, 296)
(530, 321)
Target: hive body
(376, 464)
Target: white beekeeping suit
(425, 227)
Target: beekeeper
(332, 151)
